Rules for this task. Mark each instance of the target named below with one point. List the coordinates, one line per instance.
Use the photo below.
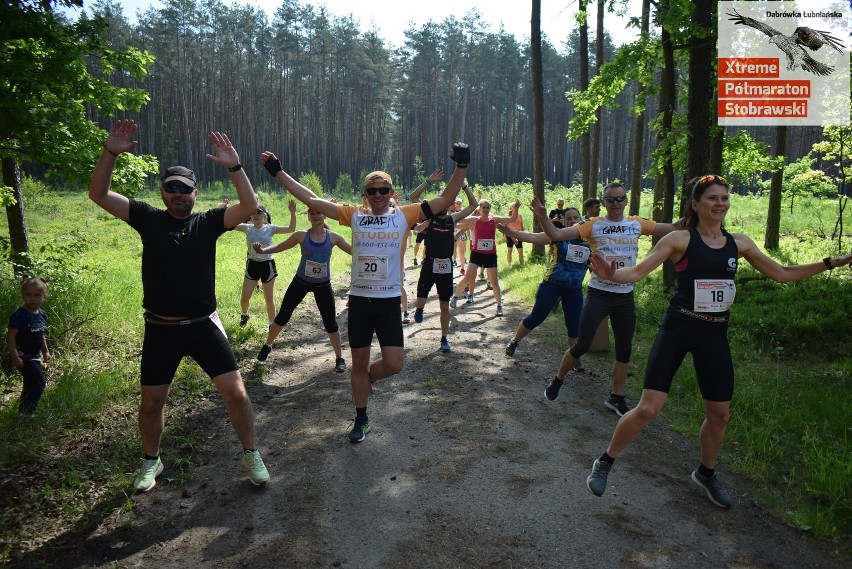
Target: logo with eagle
(794, 45)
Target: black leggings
(620, 308)
(323, 296)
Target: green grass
(789, 427)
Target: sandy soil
(467, 465)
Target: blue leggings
(545, 299)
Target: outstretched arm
(288, 243)
(292, 227)
(435, 176)
(536, 238)
(120, 139)
(555, 233)
(513, 215)
(297, 190)
(774, 270)
(671, 246)
(341, 242)
(226, 155)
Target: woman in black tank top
(696, 322)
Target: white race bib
(372, 267)
(578, 254)
(621, 261)
(714, 295)
(442, 266)
(485, 244)
(316, 270)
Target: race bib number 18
(714, 295)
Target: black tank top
(440, 237)
(708, 266)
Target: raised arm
(774, 270)
(226, 155)
(555, 233)
(297, 190)
(472, 204)
(513, 215)
(671, 246)
(435, 176)
(460, 154)
(292, 227)
(119, 139)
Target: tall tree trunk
(773, 216)
(19, 239)
(639, 127)
(538, 112)
(698, 99)
(668, 100)
(594, 163)
(585, 139)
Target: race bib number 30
(316, 270)
(714, 295)
(578, 254)
(372, 267)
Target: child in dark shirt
(27, 342)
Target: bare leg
(445, 316)
(712, 433)
(334, 340)
(495, 283)
(269, 297)
(635, 420)
(152, 419)
(248, 288)
(233, 392)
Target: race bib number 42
(485, 244)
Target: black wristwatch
(828, 264)
(236, 168)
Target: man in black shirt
(558, 214)
(178, 284)
(438, 263)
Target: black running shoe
(552, 391)
(264, 352)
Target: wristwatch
(236, 168)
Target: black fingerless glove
(273, 166)
(460, 154)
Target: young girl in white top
(260, 266)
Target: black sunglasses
(619, 199)
(373, 191)
(177, 188)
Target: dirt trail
(467, 465)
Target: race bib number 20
(372, 267)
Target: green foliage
(313, 182)
(834, 148)
(635, 61)
(744, 159)
(800, 179)
(343, 186)
(51, 72)
(132, 172)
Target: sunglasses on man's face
(374, 191)
(619, 199)
(177, 188)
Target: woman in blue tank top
(567, 262)
(312, 275)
